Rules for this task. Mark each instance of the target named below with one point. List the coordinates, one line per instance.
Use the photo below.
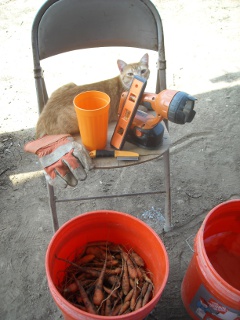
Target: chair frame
(41, 50)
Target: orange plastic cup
(92, 113)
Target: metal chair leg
(53, 209)
(168, 206)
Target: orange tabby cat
(58, 115)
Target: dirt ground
(202, 53)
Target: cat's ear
(145, 59)
(121, 65)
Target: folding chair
(64, 25)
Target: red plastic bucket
(112, 226)
(211, 286)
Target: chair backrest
(65, 25)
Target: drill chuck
(181, 108)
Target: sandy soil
(202, 52)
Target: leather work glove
(63, 159)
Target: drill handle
(149, 100)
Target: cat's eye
(130, 74)
(143, 71)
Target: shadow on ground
(205, 164)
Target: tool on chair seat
(119, 154)
(146, 130)
(128, 111)
(145, 138)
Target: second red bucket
(211, 286)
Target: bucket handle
(189, 243)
